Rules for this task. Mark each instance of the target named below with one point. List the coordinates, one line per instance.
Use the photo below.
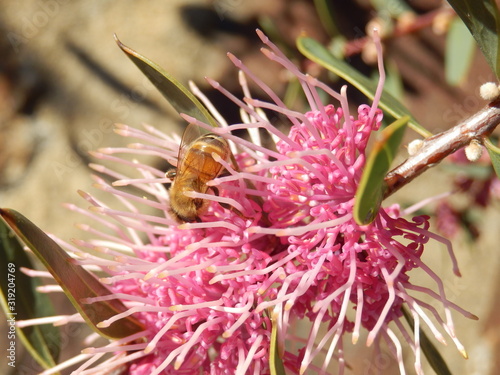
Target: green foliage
(326, 14)
(460, 48)
(372, 186)
(483, 21)
(494, 153)
(275, 363)
(178, 96)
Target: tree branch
(436, 148)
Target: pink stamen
(113, 362)
(195, 306)
(173, 140)
(208, 104)
(381, 70)
(193, 340)
(245, 313)
(359, 312)
(105, 349)
(242, 367)
(154, 137)
(247, 146)
(35, 273)
(173, 319)
(399, 350)
(259, 82)
(388, 305)
(122, 296)
(66, 364)
(219, 199)
(418, 310)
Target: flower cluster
(276, 244)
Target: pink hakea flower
(283, 246)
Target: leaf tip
(8, 215)
(115, 37)
(122, 46)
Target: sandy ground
(65, 82)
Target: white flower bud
(489, 91)
(414, 146)
(474, 150)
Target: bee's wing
(191, 134)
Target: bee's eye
(171, 174)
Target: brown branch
(436, 148)
(354, 47)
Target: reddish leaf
(20, 301)
(76, 282)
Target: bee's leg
(171, 173)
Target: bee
(195, 167)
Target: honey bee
(195, 167)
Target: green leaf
(20, 301)
(325, 11)
(393, 81)
(76, 282)
(314, 51)
(460, 48)
(371, 188)
(483, 20)
(431, 353)
(494, 153)
(179, 96)
(275, 363)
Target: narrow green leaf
(483, 20)
(460, 48)
(76, 282)
(325, 11)
(314, 51)
(431, 353)
(494, 153)
(372, 186)
(275, 363)
(179, 96)
(20, 301)
(393, 81)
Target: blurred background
(64, 83)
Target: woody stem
(479, 126)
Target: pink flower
(282, 246)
